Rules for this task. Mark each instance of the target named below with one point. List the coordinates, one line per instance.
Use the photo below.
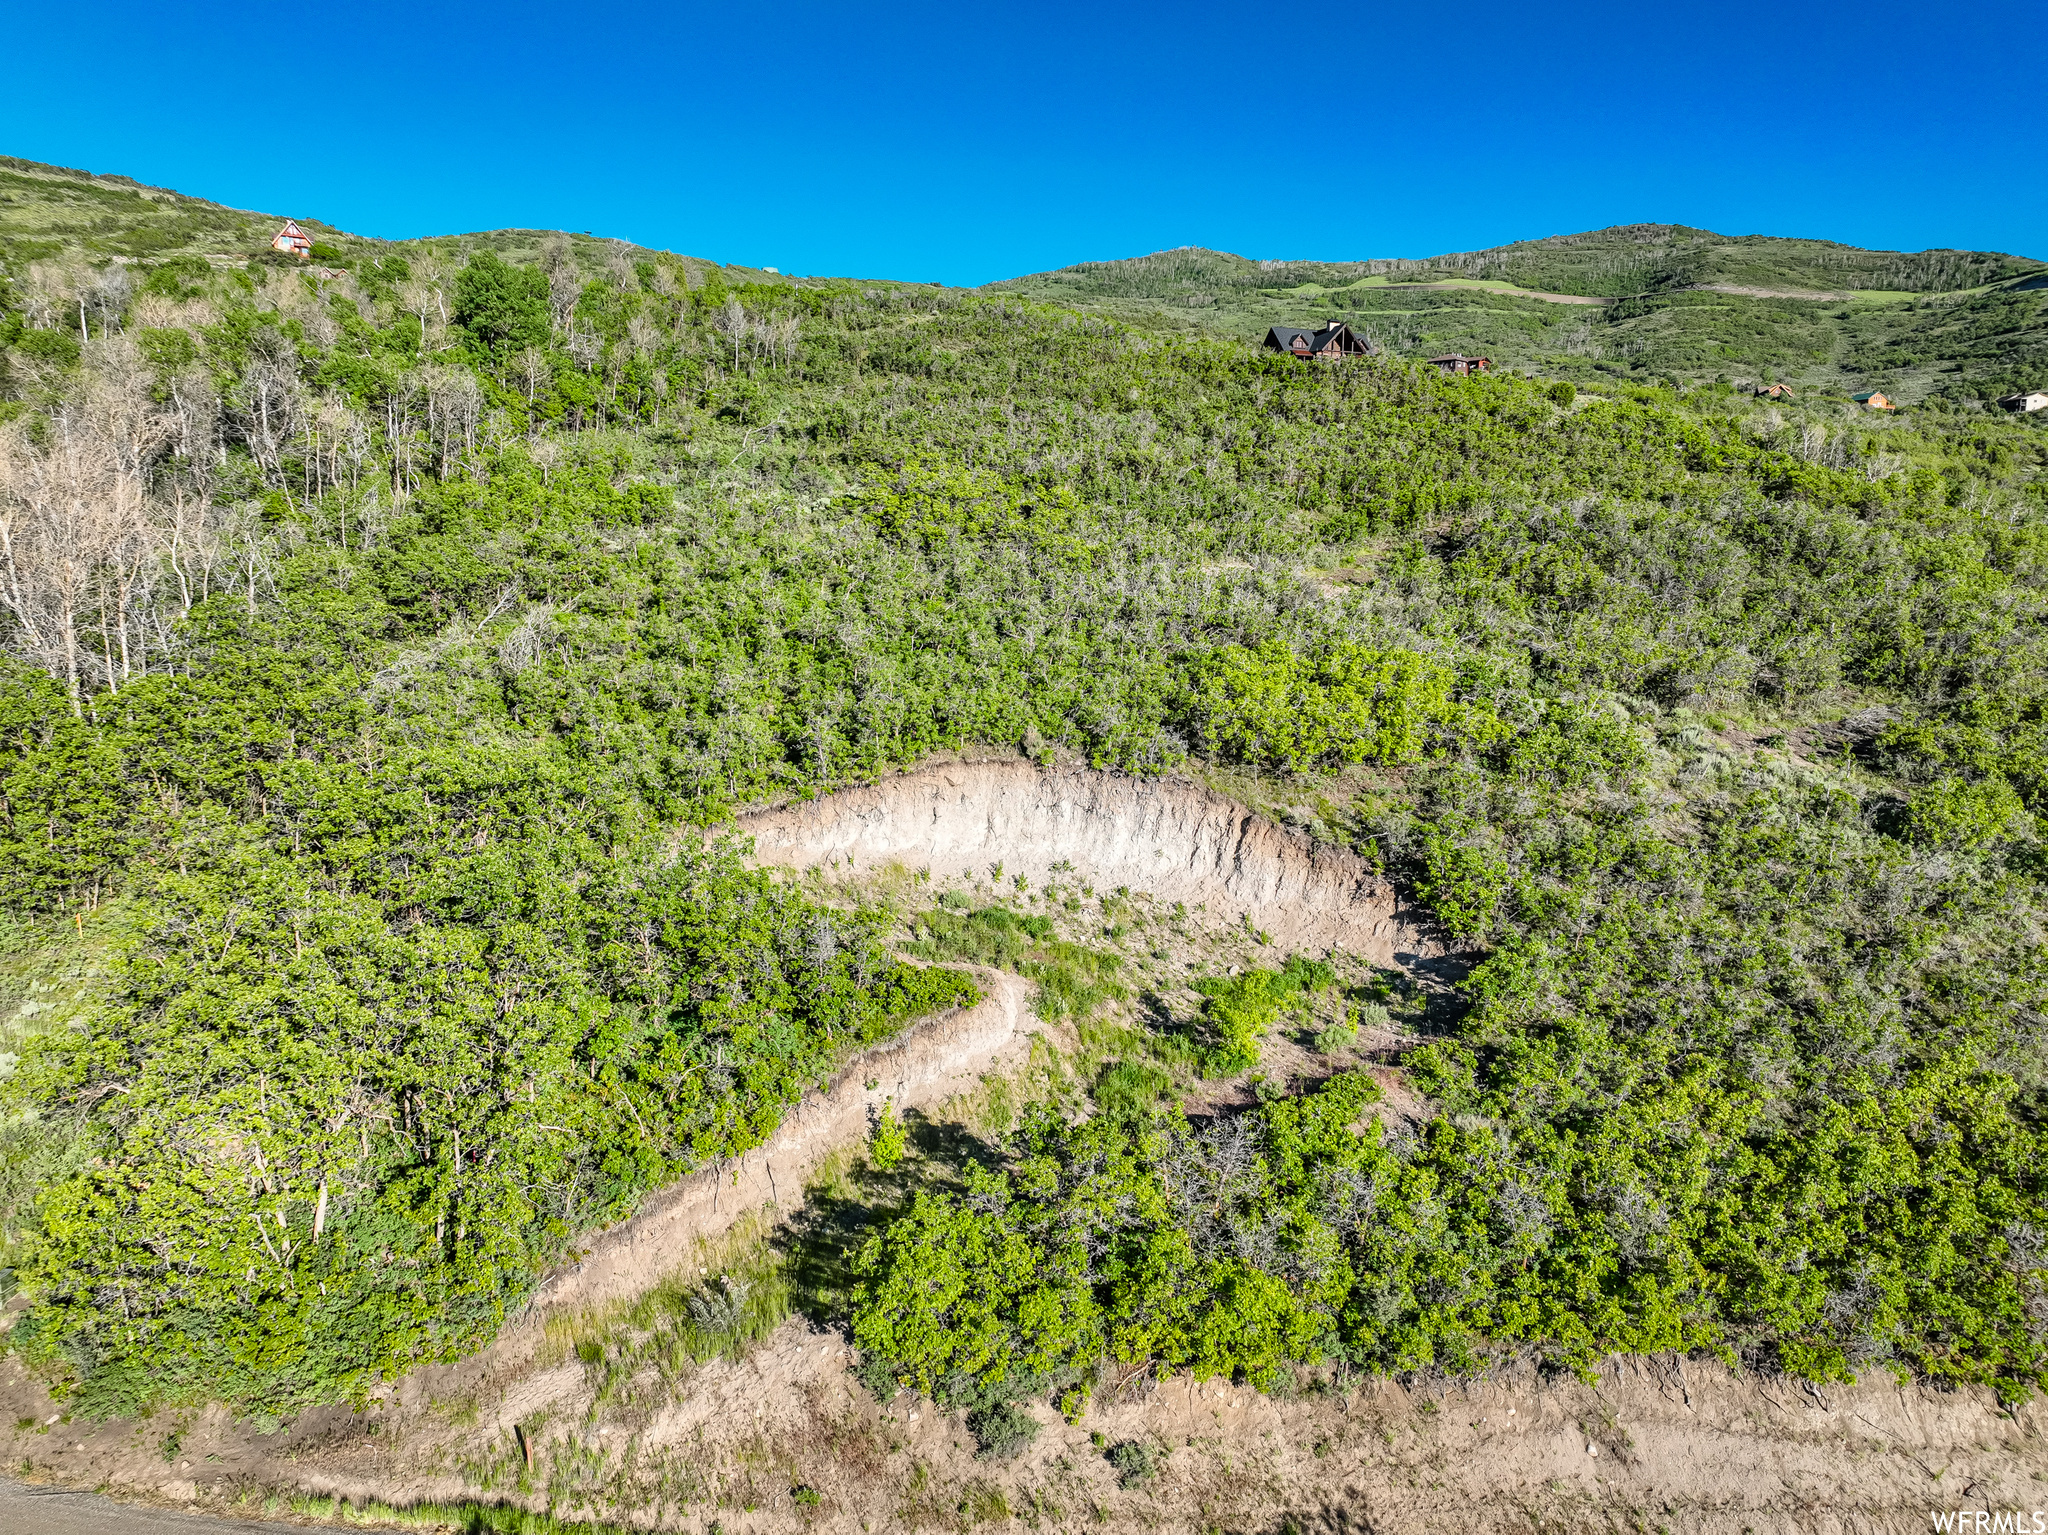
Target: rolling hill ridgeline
(1643, 301)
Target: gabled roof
(1292, 338)
(1869, 394)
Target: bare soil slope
(786, 1441)
(1174, 841)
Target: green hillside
(388, 639)
(1958, 325)
(1652, 258)
(50, 211)
(88, 227)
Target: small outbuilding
(1872, 399)
(1333, 342)
(292, 240)
(1458, 362)
(1774, 391)
(2025, 400)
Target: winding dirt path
(29, 1510)
(962, 821)
(1171, 841)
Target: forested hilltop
(1646, 301)
(389, 636)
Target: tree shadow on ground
(818, 1243)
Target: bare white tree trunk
(454, 406)
(76, 528)
(565, 284)
(731, 322)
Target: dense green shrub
(887, 1140)
(504, 308)
(1238, 1010)
(436, 969)
(1271, 707)
(362, 1144)
(1299, 1232)
(1955, 813)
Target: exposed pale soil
(1659, 1444)
(1172, 841)
(1511, 292)
(930, 1064)
(1817, 295)
(1469, 285)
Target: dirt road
(26, 1510)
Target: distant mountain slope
(1615, 263)
(52, 212)
(49, 210)
(1642, 299)
(1650, 258)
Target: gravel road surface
(28, 1510)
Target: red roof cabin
(1334, 341)
(293, 240)
(1457, 362)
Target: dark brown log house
(1334, 341)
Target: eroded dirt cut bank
(931, 1063)
(1172, 841)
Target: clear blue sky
(965, 143)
